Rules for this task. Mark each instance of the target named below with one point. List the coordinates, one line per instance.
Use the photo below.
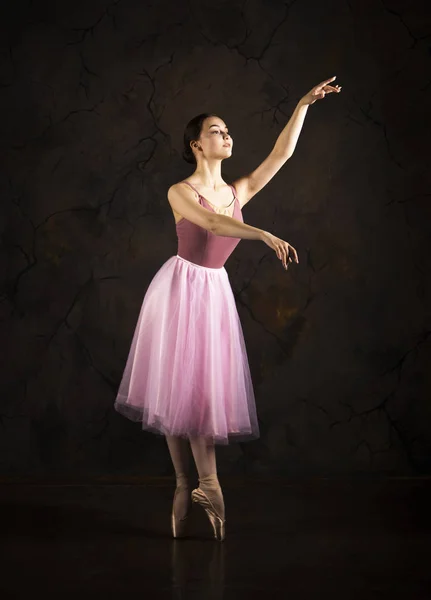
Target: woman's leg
(179, 450)
(204, 456)
(180, 454)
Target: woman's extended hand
(319, 91)
(282, 249)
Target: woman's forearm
(229, 227)
(286, 141)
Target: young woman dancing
(187, 375)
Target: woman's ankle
(209, 479)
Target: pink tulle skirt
(187, 372)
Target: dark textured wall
(94, 98)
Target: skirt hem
(157, 427)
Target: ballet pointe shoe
(199, 496)
(179, 525)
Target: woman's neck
(209, 175)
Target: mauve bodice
(202, 247)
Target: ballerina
(187, 375)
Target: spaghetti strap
(193, 188)
(233, 189)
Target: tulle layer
(187, 372)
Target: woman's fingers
(284, 254)
(295, 255)
(326, 81)
(287, 259)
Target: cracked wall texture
(94, 97)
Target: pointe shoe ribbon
(217, 523)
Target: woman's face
(215, 140)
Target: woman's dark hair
(192, 133)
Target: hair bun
(188, 155)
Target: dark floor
(315, 539)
